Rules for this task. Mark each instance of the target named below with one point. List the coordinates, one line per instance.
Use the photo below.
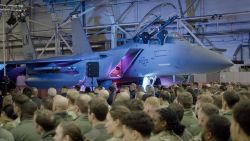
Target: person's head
(151, 103)
(240, 124)
(122, 96)
(87, 90)
(111, 89)
(7, 100)
(137, 126)
(78, 88)
(139, 95)
(47, 103)
(217, 128)
(166, 119)
(201, 99)
(135, 105)
(178, 109)
(82, 103)
(60, 103)
(98, 109)
(150, 90)
(45, 121)
(18, 100)
(8, 111)
(52, 92)
(132, 87)
(104, 94)
(185, 99)
(229, 99)
(68, 131)
(72, 95)
(244, 94)
(28, 92)
(206, 111)
(217, 100)
(27, 110)
(114, 118)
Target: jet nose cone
(220, 62)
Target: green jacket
(62, 116)
(98, 133)
(84, 124)
(25, 131)
(48, 136)
(6, 135)
(190, 122)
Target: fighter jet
(143, 57)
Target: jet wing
(45, 61)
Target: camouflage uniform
(98, 133)
(48, 136)
(165, 136)
(190, 122)
(84, 124)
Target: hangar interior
(221, 25)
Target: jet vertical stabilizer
(80, 41)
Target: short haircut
(135, 105)
(47, 103)
(45, 119)
(172, 121)
(231, 98)
(9, 111)
(209, 109)
(244, 94)
(99, 107)
(241, 114)
(186, 99)
(178, 108)
(82, 102)
(219, 126)
(72, 130)
(28, 92)
(217, 101)
(72, 95)
(204, 98)
(152, 101)
(19, 99)
(28, 109)
(165, 95)
(139, 121)
(117, 112)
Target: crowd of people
(183, 112)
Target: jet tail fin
(80, 41)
